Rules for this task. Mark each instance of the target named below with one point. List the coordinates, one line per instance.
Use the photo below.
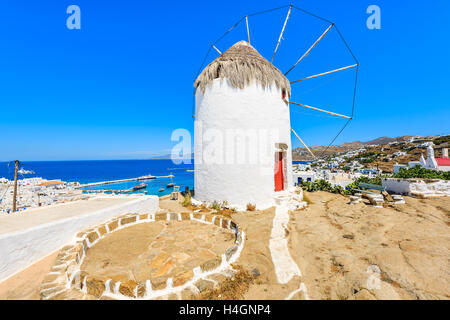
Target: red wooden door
(279, 178)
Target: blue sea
(105, 170)
(301, 162)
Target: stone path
(285, 266)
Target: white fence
(20, 249)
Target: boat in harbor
(23, 171)
(171, 184)
(146, 177)
(139, 186)
(161, 190)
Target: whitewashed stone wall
(20, 249)
(418, 187)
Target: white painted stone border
(72, 267)
(417, 187)
(285, 266)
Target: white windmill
(241, 91)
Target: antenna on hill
(16, 168)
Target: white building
(304, 176)
(242, 130)
(440, 164)
(369, 171)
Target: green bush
(215, 205)
(355, 184)
(440, 140)
(368, 154)
(376, 180)
(367, 160)
(422, 173)
(321, 185)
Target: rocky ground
(358, 252)
(343, 252)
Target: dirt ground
(25, 285)
(256, 257)
(356, 252)
(343, 251)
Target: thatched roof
(241, 65)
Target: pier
(120, 181)
(126, 191)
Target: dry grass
(231, 288)
(225, 212)
(336, 267)
(385, 277)
(306, 199)
(203, 208)
(187, 200)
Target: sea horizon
(89, 171)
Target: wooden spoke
(217, 49)
(281, 34)
(314, 44)
(303, 143)
(328, 72)
(248, 31)
(321, 110)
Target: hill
(301, 154)
(381, 153)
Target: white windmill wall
(223, 108)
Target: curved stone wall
(65, 275)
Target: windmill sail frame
(331, 25)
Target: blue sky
(117, 88)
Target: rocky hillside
(322, 151)
(380, 153)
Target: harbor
(111, 191)
(41, 184)
(81, 186)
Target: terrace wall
(20, 249)
(417, 187)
